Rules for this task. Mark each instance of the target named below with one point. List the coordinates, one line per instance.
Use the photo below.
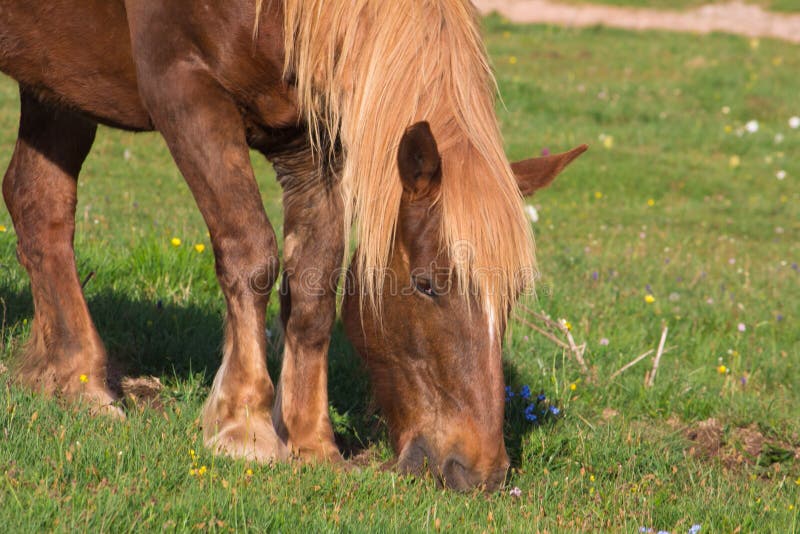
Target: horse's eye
(424, 286)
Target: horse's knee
(249, 264)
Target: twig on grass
(550, 327)
(545, 333)
(631, 364)
(651, 378)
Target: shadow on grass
(179, 343)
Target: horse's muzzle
(454, 472)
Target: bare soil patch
(734, 17)
(739, 446)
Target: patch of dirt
(734, 17)
(739, 446)
(706, 438)
(144, 390)
(609, 414)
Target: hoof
(253, 440)
(86, 391)
(101, 403)
(318, 453)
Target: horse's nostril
(415, 457)
(497, 478)
(456, 476)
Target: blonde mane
(368, 69)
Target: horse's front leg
(206, 136)
(65, 355)
(313, 250)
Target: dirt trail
(735, 17)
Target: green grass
(772, 5)
(618, 459)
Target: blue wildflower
(530, 413)
(695, 529)
(525, 392)
(541, 397)
(554, 410)
(509, 393)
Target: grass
(772, 5)
(718, 247)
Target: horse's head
(434, 355)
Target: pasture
(683, 213)
(772, 5)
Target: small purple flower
(743, 380)
(554, 410)
(732, 261)
(530, 413)
(795, 267)
(741, 327)
(545, 151)
(779, 317)
(648, 288)
(695, 529)
(509, 393)
(515, 492)
(604, 341)
(525, 392)
(595, 275)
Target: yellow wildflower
(2, 228)
(573, 386)
(84, 379)
(249, 472)
(598, 195)
(608, 142)
(199, 248)
(176, 242)
(512, 60)
(201, 471)
(722, 369)
(651, 202)
(649, 298)
(734, 162)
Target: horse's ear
(418, 160)
(535, 173)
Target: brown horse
(377, 116)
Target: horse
(378, 118)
